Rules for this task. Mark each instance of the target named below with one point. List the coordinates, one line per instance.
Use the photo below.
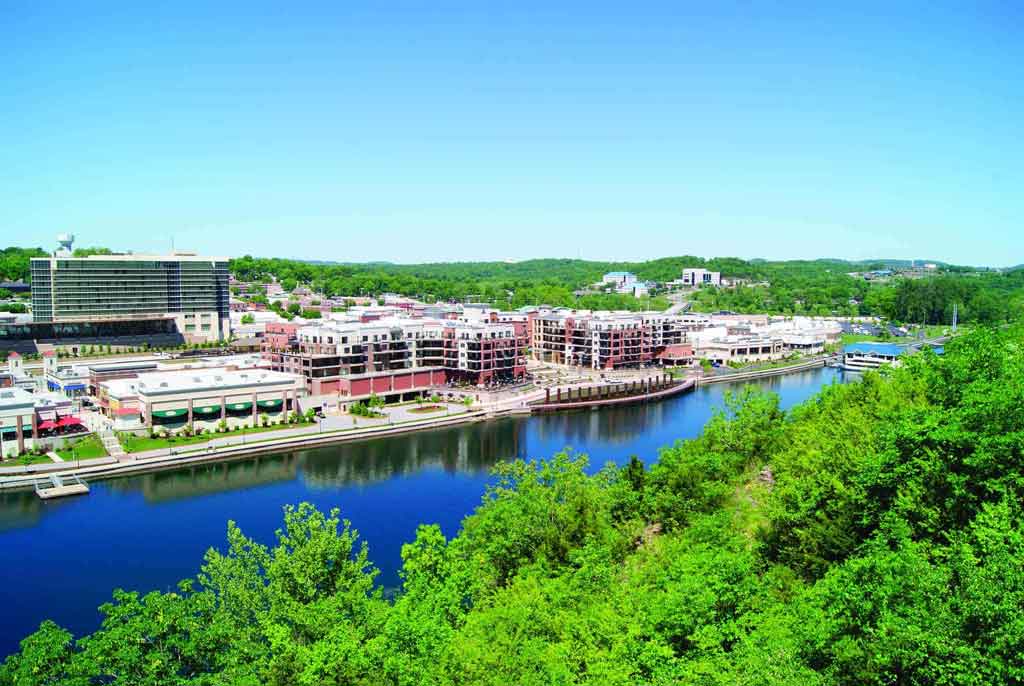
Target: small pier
(641, 390)
(54, 486)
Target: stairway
(111, 444)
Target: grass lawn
(426, 409)
(138, 444)
(774, 364)
(88, 448)
(26, 460)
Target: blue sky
(428, 131)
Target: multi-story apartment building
(396, 355)
(186, 292)
(604, 340)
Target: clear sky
(429, 131)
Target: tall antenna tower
(954, 317)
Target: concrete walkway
(395, 415)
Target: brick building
(604, 340)
(397, 356)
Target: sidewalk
(286, 439)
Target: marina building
(858, 357)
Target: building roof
(870, 348)
(179, 257)
(673, 352)
(15, 398)
(190, 381)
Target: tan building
(202, 398)
(742, 349)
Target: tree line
(872, 535)
(794, 287)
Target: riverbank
(131, 464)
(23, 477)
(762, 373)
(147, 530)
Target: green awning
(270, 403)
(169, 413)
(240, 406)
(207, 409)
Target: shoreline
(111, 468)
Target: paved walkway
(396, 415)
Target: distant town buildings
(698, 276)
(627, 283)
(622, 281)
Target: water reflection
(209, 478)
(468, 449)
(614, 425)
(149, 531)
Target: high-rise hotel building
(185, 291)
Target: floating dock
(55, 486)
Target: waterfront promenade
(398, 419)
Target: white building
(17, 410)
(624, 282)
(701, 277)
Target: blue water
(61, 559)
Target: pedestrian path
(111, 444)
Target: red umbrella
(47, 425)
(69, 421)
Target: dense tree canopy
(873, 535)
(811, 287)
(14, 263)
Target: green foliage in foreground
(873, 535)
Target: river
(61, 559)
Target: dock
(55, 486)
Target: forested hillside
(983, 297)
(794, 287)
(14, 262)
(809, 287)
(873, 535)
